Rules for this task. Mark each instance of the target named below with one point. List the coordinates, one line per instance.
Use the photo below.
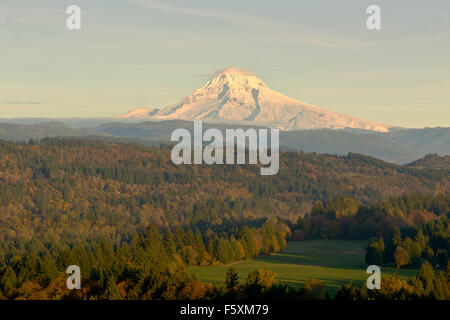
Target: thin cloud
(233, 17)
(23, 102)
(214, 74)
(231, 69)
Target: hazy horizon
(135, 54)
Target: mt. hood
(238, 96)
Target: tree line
(346, 218)
(413, 245)
(151, 265)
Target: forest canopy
(134, 221)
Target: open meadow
(337, 262)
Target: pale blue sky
(145, 53)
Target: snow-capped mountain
(234, 95)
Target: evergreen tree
(111, 289)
(373, 255)
(381, 248)
(48, 269)
(421, 240)
(442, 258)
(8, 281)
(169, 243)
(199, 244)
(397, 237)
(232, 278)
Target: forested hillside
(432, 161)
(85, 189)
(132, 220)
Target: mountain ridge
(402, 147)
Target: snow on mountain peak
(238, 95)
(234, 78)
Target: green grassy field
(336, 262)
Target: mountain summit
(234, 95)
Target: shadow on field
(310, 261)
